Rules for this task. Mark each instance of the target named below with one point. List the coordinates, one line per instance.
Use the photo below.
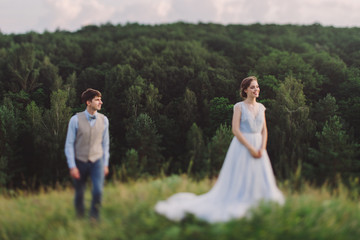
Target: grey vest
(88, 143)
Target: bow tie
(92, 117)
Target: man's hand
(74, 173)
(106, 170)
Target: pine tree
(142, 136)
(336, 152)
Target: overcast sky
(20, 16)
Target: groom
(87, 151)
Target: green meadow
(127, 213)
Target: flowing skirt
(243, 182)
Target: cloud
(71, 14)
(163, 8)
(164, 11)
(326, 12)
(242, 11)
(329, 12)
(193, 11)
(14, 18)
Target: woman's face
(253, 90)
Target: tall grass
(127, 213)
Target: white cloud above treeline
(39, 15)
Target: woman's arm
(237, 133)
(264, 134)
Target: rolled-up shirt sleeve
(70, 141)
(106, 143)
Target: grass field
(127, 213)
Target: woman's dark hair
(245, 83)
(89, 95)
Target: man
(87, 151)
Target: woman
(246, 176)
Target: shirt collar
(89, 116)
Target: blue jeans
(96, 172)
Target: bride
(246, 176)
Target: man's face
(95, 103)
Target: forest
(169, 90)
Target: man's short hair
(89, 94)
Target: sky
(21, 16)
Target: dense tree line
(168, 91)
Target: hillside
(168, 91)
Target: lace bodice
(250, 123)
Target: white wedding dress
(243, 180)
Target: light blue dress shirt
(71, 137)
